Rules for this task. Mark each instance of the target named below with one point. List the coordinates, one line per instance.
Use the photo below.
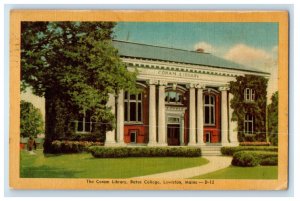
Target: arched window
(174, 97)
(133, 107)
(209, 109)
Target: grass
(233, 172)
(84, 165)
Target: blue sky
(252, 44)
(186, 35)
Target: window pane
(132, 137)
(212, 115)
(140, 96)
(206, 115)
(126, 111)
(132, 97)
(139, 111)
(180, 96)
(250, 127)
(206, 99)
(172, 96)
(126, 95)
(212, 100)
(87, 125)
(166, 96)
(133, 111)
(80, 126)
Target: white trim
(192, 68)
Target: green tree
(31, 120)
(257, 108)
(74, 66)
(273, 119)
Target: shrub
(82, 137)
(113, 152)
(253, 158)
(255, 143)
(229, 151)
(71, 146)
(244, 159)
(31, 120)
(267, 158)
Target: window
(133, 135)
(207, 137)
(248, 124)
(84, 124)
(209, 109)
(249, 94)
(173, 97)
(133, 107)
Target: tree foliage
(273, 119)
(31, 120)
(257, 108)
(74, 66)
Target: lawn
(84, 165)
(233, 172)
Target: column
(200, 114)
(224, 114)
(120, 118)
(152, 113)
(161, 114)
(192, 116)
(182, 131)
(233, 134)
(110, 135)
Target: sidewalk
(215, 163)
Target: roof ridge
(136, 43)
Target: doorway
(173, 134)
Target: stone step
(211, 153)
(211, 150)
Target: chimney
(200, 50)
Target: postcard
(152, 100)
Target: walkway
(215, 163)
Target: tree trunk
(49, 122)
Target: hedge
(255, 143)
(229, 151)
(254, 158)
(93, 137)
(64, 146)
(120, 152)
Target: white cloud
(206, 46)
(259, 59)
(275, 49)
(250, 56)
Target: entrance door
(173, 134)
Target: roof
(144, 51)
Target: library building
(184, 99)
